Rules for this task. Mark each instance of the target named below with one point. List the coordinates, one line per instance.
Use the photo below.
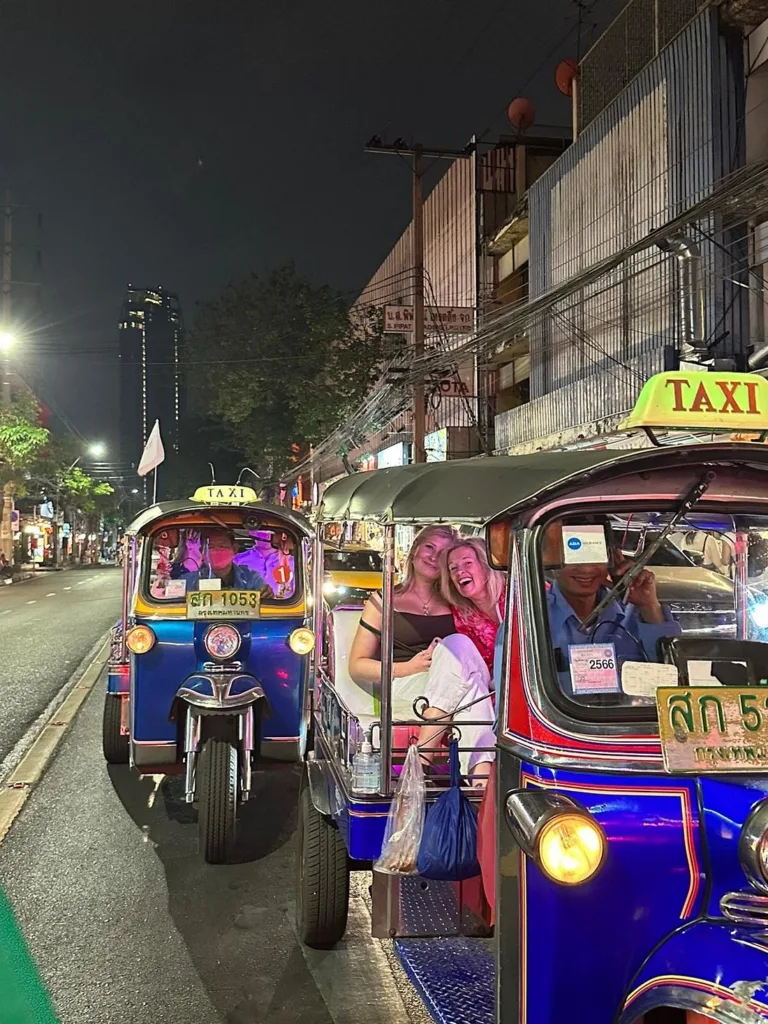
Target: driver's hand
(642, 594)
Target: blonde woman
(475, 592)
(422, 617)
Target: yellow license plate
(713, 728)
(223, 604)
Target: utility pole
(5, 312)
(417, 153)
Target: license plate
(223, 604)
(713, 728)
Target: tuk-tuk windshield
(187, 559)
(707, 582)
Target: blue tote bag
(448, 851)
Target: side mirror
(497, 544)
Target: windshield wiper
(687, 502)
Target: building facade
(151, 329)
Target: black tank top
(414, 633)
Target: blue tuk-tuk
(211, 662)
(630, 877)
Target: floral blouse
(480, 629)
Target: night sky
(184, 144)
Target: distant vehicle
(350, 575)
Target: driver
(633, 625)
(221, 559)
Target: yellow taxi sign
(225, 494)
(698, 400)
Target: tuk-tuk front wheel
(322, 897)
(114, 745)
(217, 780)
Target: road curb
(23, 779)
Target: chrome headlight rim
(230, 631)
(752, 842)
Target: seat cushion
(343, 623)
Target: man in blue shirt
(632, 626)
(221, 551)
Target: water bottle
(365, 770)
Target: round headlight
(753, 847)
(222, 642)
(302, 640)
(140, 639)
(571, 848)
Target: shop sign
(436, 445)
(392, 456)
(440, 320)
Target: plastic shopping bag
(448, 850)
(405, 822)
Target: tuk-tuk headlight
(140, 639)
(222, 641)
(302, 640)
(558, 833)
(571, 848)
(753, 847)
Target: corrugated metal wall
(660, 146)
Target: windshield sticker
(643, 678)
(584, 544)
(282, 574)
(212, 584)
(175, 588)
(593, 668)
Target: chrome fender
(717, 969)
(225, 693)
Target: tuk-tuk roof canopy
(481, 489)
(150, 516)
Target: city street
(48, 626)
(129, 926)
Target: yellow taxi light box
(701, 401)
(227, 494)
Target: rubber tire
(217, 783)
(322, 890)
(114, 745)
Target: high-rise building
(151, 326)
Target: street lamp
(94, 450)
(7, 341)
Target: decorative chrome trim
(209, 667)
(221, 699)
(745, 908)
(753, 831)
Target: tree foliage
(22, 440)
(55, 473)
(281, 363)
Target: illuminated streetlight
(7, 341)
(97, 449)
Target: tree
(22, 440)
(282, 363)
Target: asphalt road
(47, 627)
(129, 926)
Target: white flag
(154, 453)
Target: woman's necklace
(426, 605)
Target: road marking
(81, 582)
(7, 611)
(17, 788)
(51, 595)
(67, 588)
(31, 602)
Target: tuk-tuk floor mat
(455, 977)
